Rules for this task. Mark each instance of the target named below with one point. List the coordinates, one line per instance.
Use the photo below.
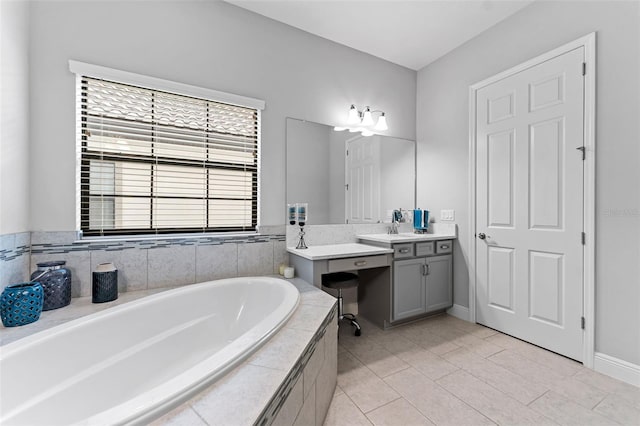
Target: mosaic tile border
(272, 409)
(14, 245)
(7, 255)
(148, 244)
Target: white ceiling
(411, 33)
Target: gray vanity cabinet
(408, 288)
(439, 283)
(421, 285)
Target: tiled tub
(290, 379)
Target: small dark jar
(21, 304)
(56, 282)
(105, 283)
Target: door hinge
(584, 68)
(347, 153)
(584, 238)
(346, 186)
(584, 152)
(582, 322)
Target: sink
(407, 237)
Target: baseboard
(459, 311)
(617, 368)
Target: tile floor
(446, 371)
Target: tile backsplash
(337, 234)
(167, 262)
(144, 263)
(340, 234)
(14, 258)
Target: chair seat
(340, 280)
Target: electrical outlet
(449, 215)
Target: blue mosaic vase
(56, 283)
(21, 304)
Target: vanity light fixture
(354, 115)
(367, 119)
(382, 123)
(362, 121)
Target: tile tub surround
(166, 261)
(289, 381)
(445, 371)
(15, 252)
(292, 378)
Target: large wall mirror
(346, 177)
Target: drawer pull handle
(404, 250)
(360, 263)
(444, 246)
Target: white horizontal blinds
(156, 162)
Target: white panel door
(363, 180)
(530, 204)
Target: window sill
(155, 237)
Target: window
(154, 162)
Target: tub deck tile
(181, 416)
(307, 317)
(239, 397)
(283, 350)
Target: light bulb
(382, 123)
(367, 133)
(367, 119)
(339, 129)
(354, 117)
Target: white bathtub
(133, 362)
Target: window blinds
(157, 162)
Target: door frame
(589, 209)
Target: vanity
(371, 263)
(402, 277)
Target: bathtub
(133, 362)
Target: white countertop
(337, 251)
(406, 237)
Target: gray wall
(442, 131)
(210, 44)
(14, 117)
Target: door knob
(482, 236)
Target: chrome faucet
(393, 229)
(396, 216)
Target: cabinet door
(439, 285)
(408, 288)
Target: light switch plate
(448, 215)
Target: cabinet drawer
(355, 263)
(402, 250)
(425, 249)
(444, 246)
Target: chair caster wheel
(357, 332)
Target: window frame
(84, 157)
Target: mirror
(346, 177)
